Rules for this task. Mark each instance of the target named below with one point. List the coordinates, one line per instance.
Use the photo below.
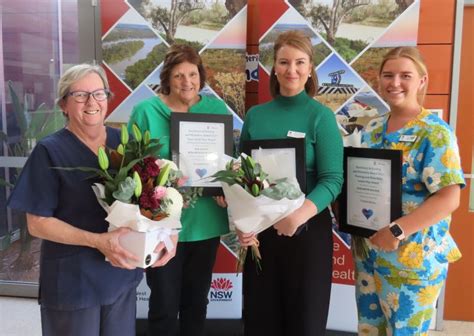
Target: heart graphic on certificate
(367, 213)
(201, 172)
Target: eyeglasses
(83, 96)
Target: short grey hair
(75, 73)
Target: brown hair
(414, 55)
(299, 40)
(177, 54)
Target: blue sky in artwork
(332, 64)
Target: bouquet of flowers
(142, 192)
(255, 201)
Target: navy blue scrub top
(71, 277)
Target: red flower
(221, 284)
(147, 201)
(151, 167)
(147, 169)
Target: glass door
(38, 39)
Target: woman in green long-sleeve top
(290, 296)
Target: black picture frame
(298, 144)
(175, 132)
(396, 158)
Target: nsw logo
(221, 290)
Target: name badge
(294, 134)
(408, 138)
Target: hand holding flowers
(289, 225)
(255, 202)
(141, 192)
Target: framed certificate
(371, 196)
(198, 143)
(292, 149)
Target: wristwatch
(397, 231)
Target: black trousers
(181, 288)
(290, 295)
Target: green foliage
(266, 56)
(244, 172)
(359, 247)
(164, 174)
(367, 66)
(124, 33)
(125, 190)
(196, 45)
(380, 14)
(213, 18)
(226, 75)
(121, 50)
(33, 125)
(320, 52)
(249, 175)
(116, 178)
(224, 60)
(136, 73)
(348, 49)
(282, 187)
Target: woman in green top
(290, 296)
(182, 285)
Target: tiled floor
(20, 317)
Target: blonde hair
(75, 73)
(414, 55)
(299, 40)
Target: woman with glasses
(80, 292)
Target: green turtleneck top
(324, 149)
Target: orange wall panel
(459, 298)
(436, 21)
(459, 304)
(438, 102)
(439, 60)
(252, 19)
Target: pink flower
(182, 181)
(159, 192)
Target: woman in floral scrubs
(401, 269)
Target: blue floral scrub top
(430, 163)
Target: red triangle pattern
(263, 85)
(226, 262)
(115, 9)
(268, 17)
(119, 90)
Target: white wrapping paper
(353, 140)
(255, 214)
(146, 234)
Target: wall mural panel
(136, 36)
(349, 39)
